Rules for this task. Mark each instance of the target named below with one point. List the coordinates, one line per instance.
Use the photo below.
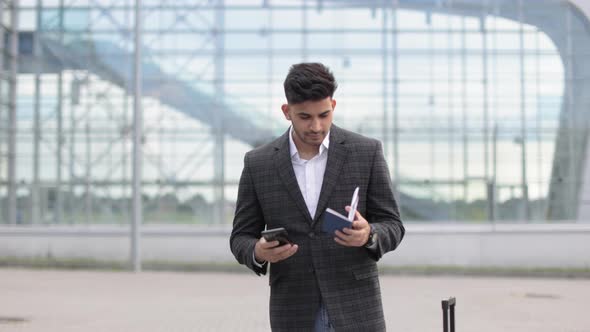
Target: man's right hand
(271, 252)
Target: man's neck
(305, 151)
(307, 155)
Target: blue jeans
(322, 321)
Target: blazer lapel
(337, 153)
(282, 160)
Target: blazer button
(311, 235)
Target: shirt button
(311, 235)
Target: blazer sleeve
(382, 209)
(248, 222)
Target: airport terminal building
(483, 108)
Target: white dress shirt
(309, 173)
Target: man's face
(311, 121)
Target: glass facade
(473, 103)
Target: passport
(333, 221)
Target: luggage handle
(448, 308)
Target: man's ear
(333, 104)
(285, 109)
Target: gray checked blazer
(345, 279)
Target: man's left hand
(356, 236)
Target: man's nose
(315, 125)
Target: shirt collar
(293, 148)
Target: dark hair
(309, 82)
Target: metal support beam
(486, 116)
(464, 110)
(219, 152)
(304, 31)
(76, 87)
(492, 191)
(35, 188)
(59, 202)
(88, 169)
(395, 99)
(13, 51)
(523, 121)
(137, 146)
(451, 119)
(431, 102)
(384, 80)
(484, 83)
(570, 194)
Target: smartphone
(276, 234)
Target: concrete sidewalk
(91, 301)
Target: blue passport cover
(333, 221)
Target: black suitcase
(448, 308)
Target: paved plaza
(92, 301)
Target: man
(320, 282)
